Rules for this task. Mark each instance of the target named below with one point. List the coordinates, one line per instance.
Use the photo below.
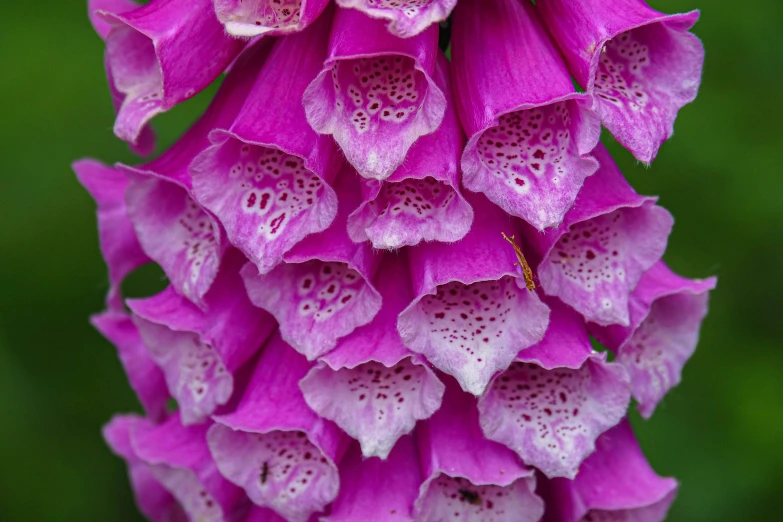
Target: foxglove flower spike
(551, 414)
(611, 236)
(200, 351)
(467, 474)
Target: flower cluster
(386, 265)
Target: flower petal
(641, 65)
(615, 484)
(279, 451)
(323, 290)
(198, 350)
(144, 376)
(370, 384)
(551, 418)
(472, 313)
(375, 489)
(161, 54)
(529, 131)
(178, 457)
(376, 94)
(406, 18)
(119, 246)
(595, 258)
(153, 500)
(666, 314)
(266, 178)
(469, 478)
(422, 200)
(267, 17)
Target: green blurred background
(720, 432)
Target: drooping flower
(406, 17)
(376, 92)
(642, 66)
(267, 178)
(597, 256)
(666, 315)
(160, 54)
(529, 132)
(384, 267)
(615, 483)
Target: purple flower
(642, 66)
(384, 268)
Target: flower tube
(529, 132)
(472, 312)
(666, 314)
(267, 178)
(371, 385)
(375, 93)
(422, 200)
(199, 350)
(281, 453)
(597, 256)
(267, 17)
(642, 66)
(160, 54)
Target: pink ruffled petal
(179, 459)
(551, 418)
(152, 499)
(161, 54)
(666, 314)
(267, 17)
(472, 313)
(378, 490)
(119, 246)
(370, 384)
(422, 200)
(529, 132)
(615, 484)
(323, 290)
(376, 94)
(198, 350)
(597, 256)
(175, 231)
(266, 178)
(279, 451)
(467, 477)
(144, 376)
(641, 65)
(406, 18)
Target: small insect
(471, 497)
(264, 472)
(527, 272)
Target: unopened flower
(384, 268)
